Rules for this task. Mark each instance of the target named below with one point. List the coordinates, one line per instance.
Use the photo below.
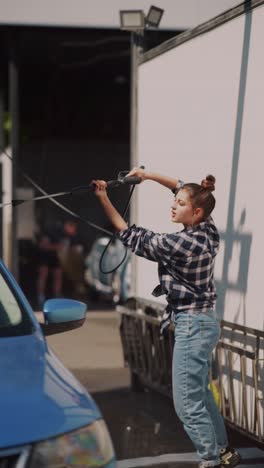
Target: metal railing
(238, 370)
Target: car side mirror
(62, 315)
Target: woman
(185, 266)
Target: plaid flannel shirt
(185, 264)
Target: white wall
(201, 110)
(179, 14)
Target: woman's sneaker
(230, 457)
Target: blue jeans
(196, 335)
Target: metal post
(14, 143)
(1, 147)
(136, 50)
(1, 112)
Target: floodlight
(154, 16)
(132, 20)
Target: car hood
(39, 397)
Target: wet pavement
(146, 432)
(143, 426)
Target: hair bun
(209, 183)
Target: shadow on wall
(234, 239)
(238, 245)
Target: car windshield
(13, 318)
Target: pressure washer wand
(132, 180)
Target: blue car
(47, 417)
(115, 286)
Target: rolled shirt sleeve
(153, 246)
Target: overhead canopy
(179, 14)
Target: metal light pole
(14, 143)
(135, 21)
(136, 51)
(1, 147)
